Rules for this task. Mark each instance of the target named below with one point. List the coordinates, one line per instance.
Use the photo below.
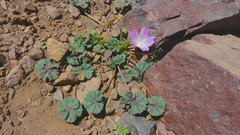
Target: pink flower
(141, 40)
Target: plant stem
(137, 53)
(113, 18)
(93, 18)
(147, 89)
(123, 78)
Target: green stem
(113, 18)
(123, 78)
(93, 18)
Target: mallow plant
(70, 108)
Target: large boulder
(169, 20)
(200, 82)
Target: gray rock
(12, 54)
(138, 125)
(36, 54)
(109, 16)
(74, 11)
(58, 95)
(53, 12)
(64, 37)
(111, 105)
(12, 82)
(27, 64)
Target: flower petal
(144, 48)
(134, 34)
(149, 41)
(133, 42)
(143, 33)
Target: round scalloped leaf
(156, 106)
(137, 102)
(113, 45)
(78, 47)
(141, 67)
(46, 69)
(119, 59)
(83, 71)
(93, 102)
(69, 109)
(126, 99)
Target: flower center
(139, 43)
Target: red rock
(200, 82)
(171, 19)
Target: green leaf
(127, 74)
(93, 102)
(126, 130)
(113, 45)
(46, 69)
(137, 102)
(124, 31)
(156, 106)
(119, 59)
(98, 48)
(69, 109)
(81, 3)
(73, 60)
(119, 128)
(82, 72)
(121, 5)
(78, 47)
(77, 38)
(112, 64)
(112, 133)
(124, 44)
(141, 67)
(102, 42)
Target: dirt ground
(25, 109)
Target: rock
(92, 24)
(24, 49)
(180, 18)
(67, 88)
(36, 54)
(30, 30)
(11, 94)
(53, 12)
(199, 74)
(27, 64)
(89, 123)
(111, 105)
(29, 8)
(161, 128)
(119, 110)
(2, 71)
(104, 129)
(115, 31)
(64, 37)
(90, 85)
(74, 11)
(86, 132)
(114, 94)
(13, 54)
(138, 125)
(111, 123)
(135, 86)
(2, 60)
(109, 16)
(121, 88)
(17, 72)
(106, 55)
(58, 95)
(104, 77)
(55, 50)
(12, 82)
(66, 78)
